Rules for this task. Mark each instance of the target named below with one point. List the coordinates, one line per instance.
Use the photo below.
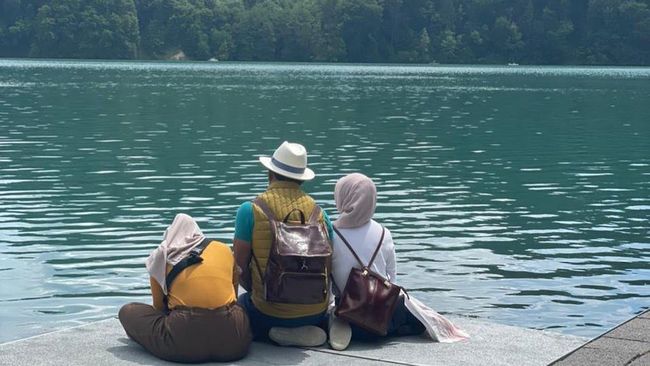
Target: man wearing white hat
(284, 323)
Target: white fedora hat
(289, 160)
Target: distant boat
(513, 64)
(212, 59)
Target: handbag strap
(372, 259)
(259, 202)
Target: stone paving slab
(637, 330)
(614, 344)
(593, 356)
(625, 345)
(104, 343)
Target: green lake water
(517, 195)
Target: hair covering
(356, 199)
(179, 239)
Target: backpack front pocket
(296, 287)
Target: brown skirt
(189, 334)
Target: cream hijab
(179, 239)
(356, 199)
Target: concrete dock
(105, 343)
(626, 345)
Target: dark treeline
(447, 31)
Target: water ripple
(519, 195)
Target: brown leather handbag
(368, 299)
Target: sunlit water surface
(517, 195)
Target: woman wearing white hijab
(195, 316)
(356, 199)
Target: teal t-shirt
(245, 220)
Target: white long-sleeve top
(364, 240)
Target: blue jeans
(261, 323)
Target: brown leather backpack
(298, 268)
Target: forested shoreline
(589, 32)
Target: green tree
(619, 31)
(86, 29)
(255, 38)
(153, 20)
(424, 46)
(506, 39)
(333, 47)
(360, 29)
(450, 46)
(191, 22)
(221, 44)
(453, 31)
(298, 31)
(225, 13)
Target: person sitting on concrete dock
(286, 305)
(195, 316)
(356, 198)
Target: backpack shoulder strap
(191, 259)
(259, 202)
(315, 215)
(350, 247)
(381, 240)
(372, 259)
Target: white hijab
(179, 239)
(356, 199)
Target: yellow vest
(281, 197)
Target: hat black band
(286, 167)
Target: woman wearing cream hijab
(194, 317)
(356, 199)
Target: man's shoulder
(291, 194)
(244, 213)
(312, 199)
(246, 205)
